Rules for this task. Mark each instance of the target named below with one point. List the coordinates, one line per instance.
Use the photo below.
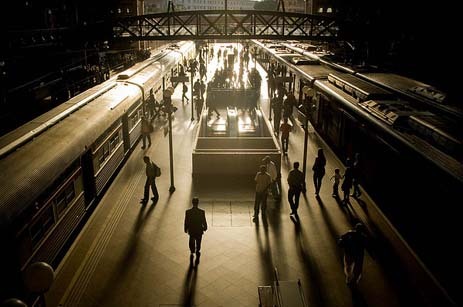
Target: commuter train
(409, 138)
(56, 167)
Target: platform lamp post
(269, 90)
(38, 278)
(255, 57)
(169, 108)
(192, 71)
(308, 93)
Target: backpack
(157, 170)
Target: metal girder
(226, 24)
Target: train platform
(129, 254)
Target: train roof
(315, 71)
(22, 134)
(371, 91)
(37, 163)
(444, 161)
(414, 89)
(27, 171)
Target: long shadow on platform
(189, 286)
(328, 220)
(123, 265)
(312, 272)
(265, 250)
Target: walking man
(151, 105)
(263, 181)
(285, 129)
(296, 184)
(146, 129)
(353, 243)
(152, 171)
(184, 91)
(195, 225)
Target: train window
(41, 226)
(60, 203)
(70, 192)
(135, 117)
(114, 141)
(102, 138)
(64, 199)
(105, 150)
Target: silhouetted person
(202, 89)
(146, 129)
(347, 182)
(184, 91)
(263, 181)
(195, 225)
(319, 170)
(199, 107)
(356, 172)
(285, 129)
(296, 184)
(151, 105)
(276, 107)
(197, 89)
(151, 173)
(336, 179)
(202, 70)
(353, 243)
(288, 104)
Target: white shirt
(272, 170)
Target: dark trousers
(335, 189)
(195, 243)
(293, 198)
(261, 197)
(146, 136)
(151, 182)
(284, 144)
(275, 189)
(317, 181)
(184, 96)
(276, 122)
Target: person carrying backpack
(152, 171)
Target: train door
(301, 103)
(125, 132)
(348, 135)
(89, 179)
(331, 120)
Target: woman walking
(319, 170)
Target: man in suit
(195, 225)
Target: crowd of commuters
(267, 179)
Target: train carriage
(410, 154)
(55, 168)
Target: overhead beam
(226, 24)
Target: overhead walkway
(226, 25)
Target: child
(337, 177)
